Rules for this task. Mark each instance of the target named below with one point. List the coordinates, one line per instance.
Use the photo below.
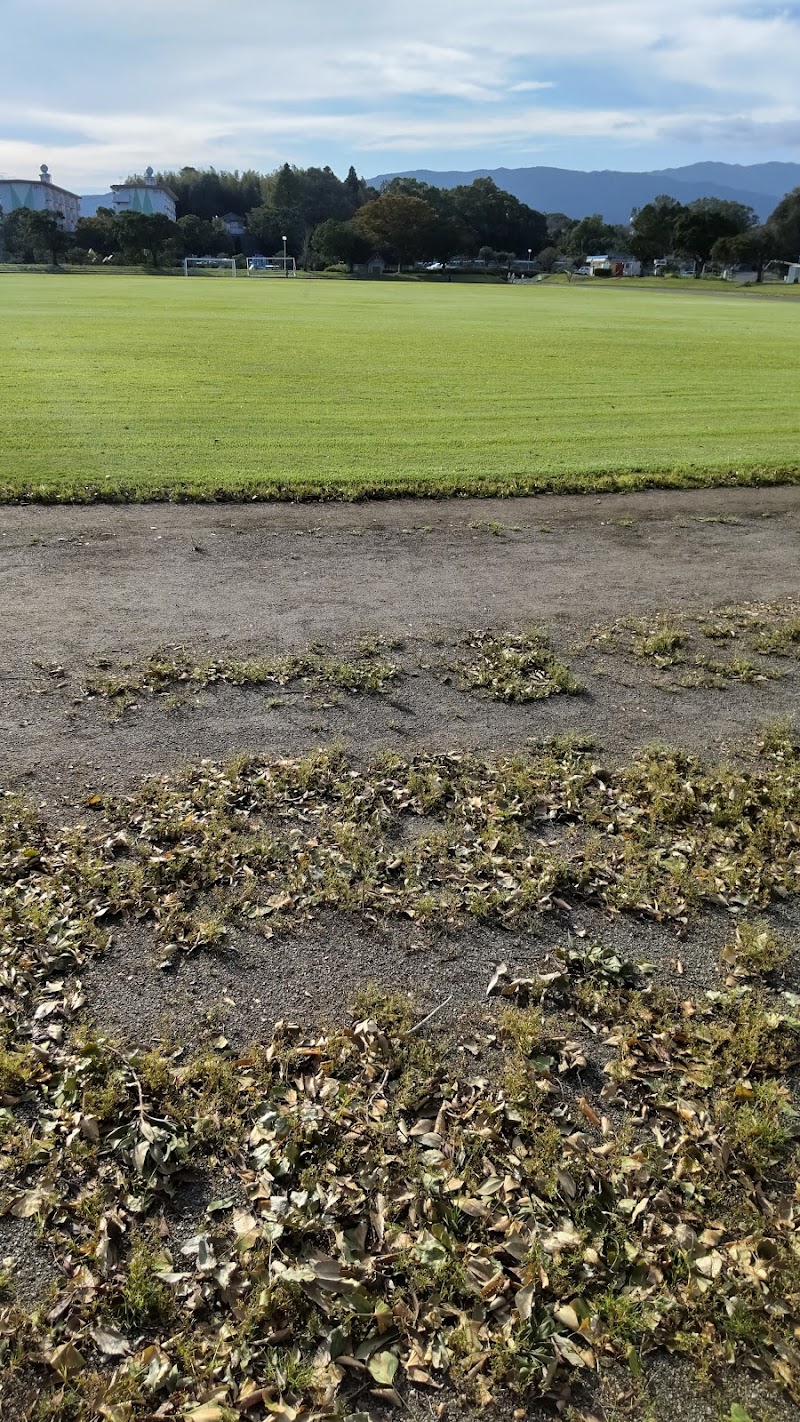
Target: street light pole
(285, 268)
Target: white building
(744, 275)
(613, 265)
(40, 195)
(146, 196)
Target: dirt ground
(81, 583)
(116, 583)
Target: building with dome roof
(144, 196)
(41, 195)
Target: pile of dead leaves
(604, 1171)
(396, 1213)
(256, 843)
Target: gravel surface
(312, 975)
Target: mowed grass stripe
(144, 388)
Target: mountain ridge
(614, 193)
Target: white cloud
(251, 83)
(529, 85)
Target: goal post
(209, 266)
(271, 266)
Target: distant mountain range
(759, 185)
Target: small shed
(234, 224)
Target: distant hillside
(767, 178)
(760, 186)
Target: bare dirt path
(104, 578)
(78, 583)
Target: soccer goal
(271, 266)
(209, 266)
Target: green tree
(752, 249)
(705, 221)
(440, 199)
(547, 258)
(353, 185)
(494, 218)
(197, 236)
(784, 227)
(296, 201)
(559, 227)
(594, 236)
(652, 231)
(36, 236)
(447, 235)
(286, 187)
(99, 232)
(222, 244)
(335, 241)
(358, 191)
(267, 228)
(402, 228)
(281, 212)
(323, 195)
(446, 238)
(15, 236)
(207, 193)
(144, 234)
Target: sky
(99, 89)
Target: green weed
(761, 1125)
(517, 667)
(780, 641)
(164, 670)
(142, 1299)
(662, 644)
(756, 949)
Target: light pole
(285, 268)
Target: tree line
(329, 221)
(713, 229)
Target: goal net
(271, 266)
(209, 266)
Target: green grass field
(138, 388)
